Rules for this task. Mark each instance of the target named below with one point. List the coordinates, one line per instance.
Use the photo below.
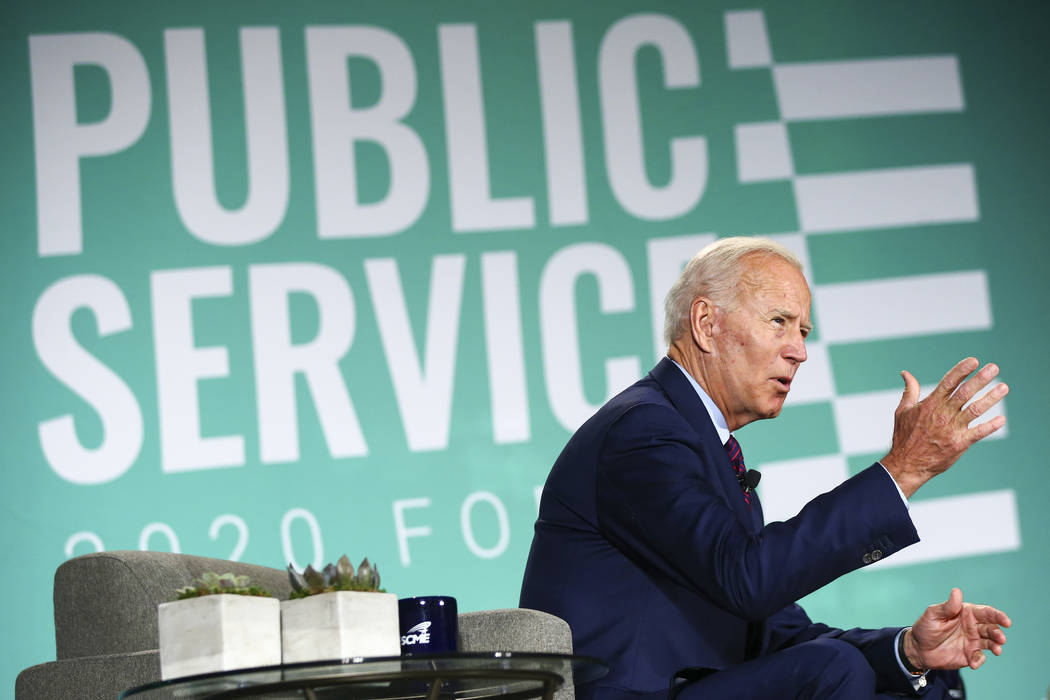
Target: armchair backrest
(106, 603)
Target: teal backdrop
(282, 281)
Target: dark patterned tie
(736, 458)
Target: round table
(465, 676)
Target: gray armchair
(106, 623)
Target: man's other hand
(954, 634)
(930, 435)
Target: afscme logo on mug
(419, 634)
(429, 624)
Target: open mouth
(784, 382)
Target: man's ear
(702, 323)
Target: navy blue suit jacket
(645, 546)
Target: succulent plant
(340, 576)
(211, 583)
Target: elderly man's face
(760, 344)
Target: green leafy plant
(340, 576)
(212, 584)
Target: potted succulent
(219, 623)
(338, 612)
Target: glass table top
(463, 676)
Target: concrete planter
(339, 625)
(218, 633)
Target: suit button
(866, 558)
(876, 555)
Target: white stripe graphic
(903, 307)
(871, 87)
(747, 42)
(814, 380)
(886, 198)
(763, 152)
(787, 486)
(949, 528)
(864, 422)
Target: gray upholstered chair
(106, 623)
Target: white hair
(715, 273)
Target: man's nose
(796, 349)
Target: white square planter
(339, 625)
(218, 633)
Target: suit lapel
(692, 409)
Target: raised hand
(954, 634)
(930, 435)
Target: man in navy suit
(650, 540)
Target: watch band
(904, 657)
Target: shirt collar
(721, 427)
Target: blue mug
(429, 624)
